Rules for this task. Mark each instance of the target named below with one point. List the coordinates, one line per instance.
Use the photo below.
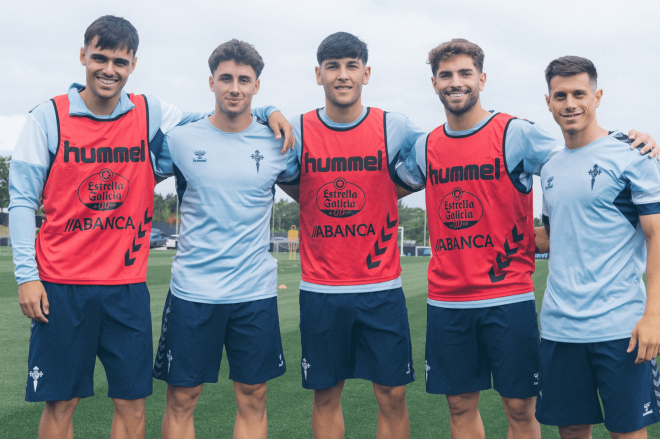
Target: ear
(82, 56)
(257, 84)
(598, 95)
(482, 81)
(319, 78)
(547, 101)
(435, 85)
(367, 75)
(133, 64)
(211, 83)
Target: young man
(93, 154)
(353, 316)
(224, 282)
(600, 330)
(481, 312)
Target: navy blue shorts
(193, 334)
(465, 346)
(355, 335)
(112, 322)
(573, 375)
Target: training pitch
(289, 405)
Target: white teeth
(107, 81)
(456, 95)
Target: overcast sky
(40, 42)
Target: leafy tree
(286, 214)
(165, 208)
(4, 181)
(538, 222)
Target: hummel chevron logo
(141, 232)
(128, 261)
(370, 264)
(516, 236)
(508, 250)
(493, 278)
(377, 250)
(147, 219)
(383, 236)
(136, 247)
(500, 263)
(391, 224)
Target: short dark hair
(342, 45)
(113, 33)
(569, 66)
(454, 48)
(238, 51)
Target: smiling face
(342, 80)
(573, 101)
(107, 70)
(234, 85)
(458, 83)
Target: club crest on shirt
(594, 172)
(199, 155)
(257, 157)
(548, 184)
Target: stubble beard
(473, 97)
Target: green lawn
(289, 405)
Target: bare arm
(401, 192)
(542, 239)
(291, 190)
(647, 330)
(278, 123)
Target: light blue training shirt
(37, 145)
(528, 147)
(401, 135)
(226, 186)
(592, 199)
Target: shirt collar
(77, 106)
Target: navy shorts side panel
(464, 347)
(193, 335)
(355, 335)
(111, 321)
(574, 374)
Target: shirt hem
(480, 296)
(585, 340)
(351, 282)
(497, 301)
(138, 280)
(221, 302)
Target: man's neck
(339, 114)
(98, 106)
(584, 137)
(465, 121)
(231, 124)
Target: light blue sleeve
(527, 147)
(643, 179)
(291, 176)
(401, 137)
(264, 113)
(411, 171)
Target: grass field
(289, 405)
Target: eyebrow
(101, 57)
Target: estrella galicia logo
(199, 155)
(257, 157)
(103, 191)
(460, 210)
(340, 198)
(548, 184)
(594, 172)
